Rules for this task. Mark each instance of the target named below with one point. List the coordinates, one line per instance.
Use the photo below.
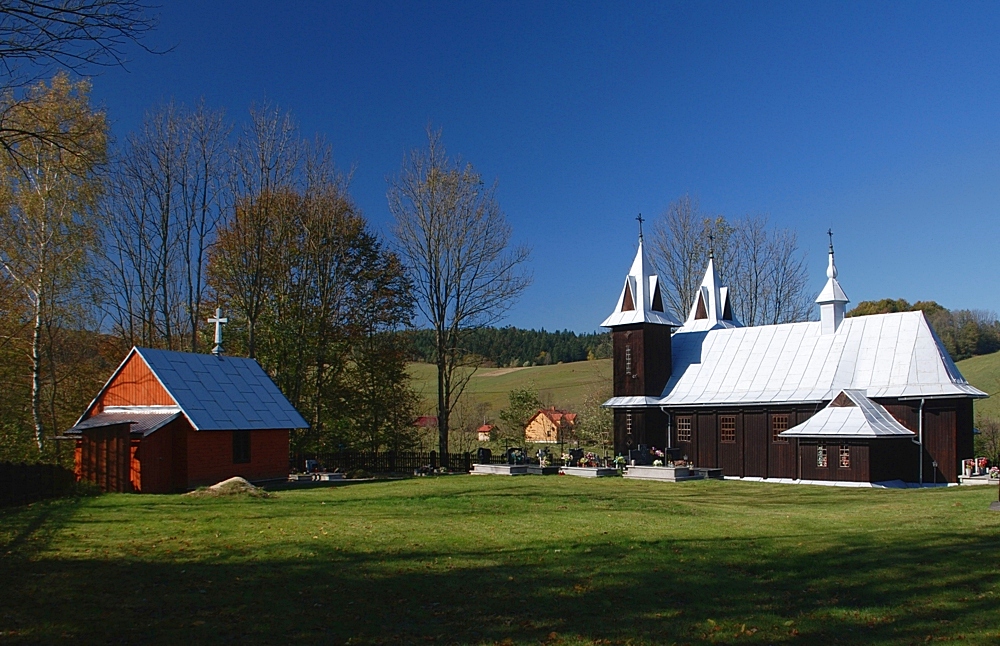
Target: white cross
(218, 320)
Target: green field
(487, 559)
(984, 373)
(564, 385)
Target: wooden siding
(210, 457)
(649, 427)
(134, 385)
(156, 467)
(859, 471)
(642, 360)
(756, 438)
(103, 457)
(947, 433)
(541, 429)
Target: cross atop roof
(641, 220)
(219, 322)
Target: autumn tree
(455, 243)
(49, 223)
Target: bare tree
(682, 239)
(763, 267)
(456, 244)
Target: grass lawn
(487, 559)
(983, 372)
(565, 385)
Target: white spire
(218, 321)
(832, 300)
(640, 300)
(711, 309)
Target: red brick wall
(210, 457)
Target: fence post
(434, 459)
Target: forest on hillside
(511, 346)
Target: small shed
(173, 421)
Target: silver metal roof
(712, 297)
(886, 355)
(851, 416)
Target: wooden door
(755, 444)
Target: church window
(628, 360)
(779, 423)
(684, 429)
(241, 447)
(628, 424)
(657, 305)
(845, 456)
(821, 456)
(727, 429)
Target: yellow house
(550, 425)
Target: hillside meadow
(983, 372)
(494, 560)
(564, 385)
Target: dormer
(712, 308)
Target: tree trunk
(36, 371)
(443, 397)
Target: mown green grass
(564, 385)
(486, 559)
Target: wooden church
(173, 421)
(863, 399)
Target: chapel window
(779, 423)
(628, 360)
(684, 429)
(727, 429)
(845, 456)
(821, 460)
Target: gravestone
(575, 455)
(484, 456)
(515, 455)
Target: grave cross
(219, 321)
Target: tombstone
(515, 455)
(575, 455)
(672, 454)
(484, 456)
(639, 456)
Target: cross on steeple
(711, 244)
(218, 321)
(641, 220)
(829, 232)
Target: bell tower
(640, 339)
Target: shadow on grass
(596, 591)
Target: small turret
(832, 300)
(712, 308)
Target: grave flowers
(981, 463)
(994, 473)
(589, 459)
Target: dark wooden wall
(649, 427)
(947, 433)
(103, 456)
(651, 359)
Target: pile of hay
(232, 487)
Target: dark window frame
(684, 433)
(779, 423)
(241, 447)
(727, 429)
(822, 456)
(844, 461)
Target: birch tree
(48, 216)
(455, 242)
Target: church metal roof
(142, 420)
(218, 392)
(886, 355)
(850, 415)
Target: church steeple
(640, 300)
(832, 300)
(712, 308)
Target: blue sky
(880, 120)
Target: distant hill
(564, 386)
(511, 346)
(983, 372)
